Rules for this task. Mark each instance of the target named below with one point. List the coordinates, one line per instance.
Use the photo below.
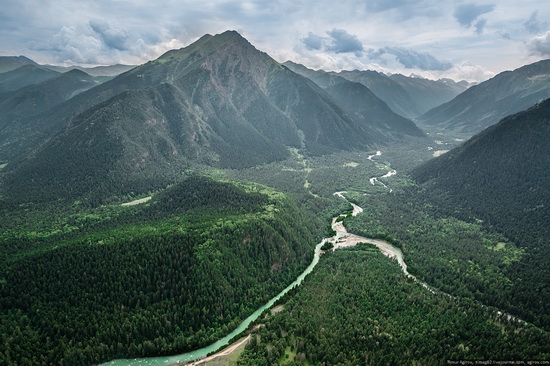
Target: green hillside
(500, 179)
(359, 309)
(169, 276)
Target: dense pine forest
(143, 283)
(459, 257)
(359, 309)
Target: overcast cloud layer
(470, 40)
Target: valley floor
(403, 309)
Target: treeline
(151, 285)
(357, 308)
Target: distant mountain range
(485, 104)
(219, 102)
(108, 70)
(408, 96)
(22, 111)
(9, 63)
(359, 100)
(23, 76)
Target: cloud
(480, 24)
(313, 41)
(411, 59)
(113, 36)
(343, 42)
(539, 45)
(466, 14)
(533, 25)
(103, 43)
(469, 72)
(74, 46)
(338, 41)
(405, 9)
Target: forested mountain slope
(501, 174)
(487, 103)
(23, 76)
(501, 177)
(359, 309)
(19, 130)
(165, 277)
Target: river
(203, 352)
(375, 180)
(342, 239)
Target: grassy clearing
(137, 202)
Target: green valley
(152, 215)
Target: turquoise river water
(203, 352)
(342, 239)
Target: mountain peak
(230, 33)
(8, 63)
(77, 72)
(207, 42)
(223, 55)
(23, 60)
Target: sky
(458, 39)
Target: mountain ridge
(409, 97)
(488, 102)
(23, 76)
(19, 112)
(9, 63)
(359, 100)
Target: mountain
(23, 76)
(39, 97)
(320, 77)
(501, 177)
(109, 70)
(501, 172)
(18, 130)
(485, 104)
(386, 89)
(359, 101)
(408, 96)
(219, 102)
(9, 63)
(428, 94)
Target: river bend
(342, 239)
